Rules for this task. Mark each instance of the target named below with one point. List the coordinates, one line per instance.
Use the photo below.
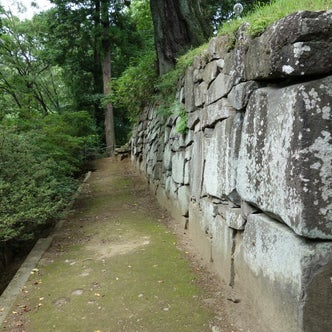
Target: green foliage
(135, 87)
(181, 123)
(27, 82)
(75, 41)
(141, 16)
(262, 15)
(38, 162)
(32, 192)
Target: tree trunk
(106, 67)
(109, 118)
(178, 25)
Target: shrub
(135, 87)
(37, 168)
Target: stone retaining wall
(251, 179)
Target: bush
(32, 192)
(37, 169)
(135, 87)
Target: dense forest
(72, 80)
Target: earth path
(117, 265)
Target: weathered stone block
(285, 157)
(210, 72)
(232, 216)
(183, 200)
(193, 119)
(221, 154)
(219, 88)
(157, 171)
(196, 171)
(296, 45)
(221, 248)
(180, 141)
(198, 75)
(167, 160)
(189, 90)
(209, 210)
(240, 94)
(287, 277)
(235, 60)
(178, 167)
(197, 227)
(186, 175)
(218, 47)
(200, 94)
(215, 112)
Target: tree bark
(107, 75)
(178, 25)
(109, 118)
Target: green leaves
(134, 88)
(37, 168)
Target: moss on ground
(114, 266)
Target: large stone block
(221, 154)
(218, 46)
(178, 167)
(210, 72)
(196, 171)
(235, 59)
(178, 140)
(240, 94)
(285, 156)
(222, 248)
(167, 160)
(287, 278)
(193, 119)
(183, 200)
(200, 94)
(215, 112)
(296, 45)
(198, 224)
(189, 90)
(219, 88)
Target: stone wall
(251, 179)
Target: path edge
(9, 295)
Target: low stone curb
(9, 295)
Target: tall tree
(85, 38)
(178, 25)
(107, 75)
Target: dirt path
(115, 265)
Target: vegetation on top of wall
(265, 14)
(137, 88)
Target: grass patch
(264, 15)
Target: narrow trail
(117, 265)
